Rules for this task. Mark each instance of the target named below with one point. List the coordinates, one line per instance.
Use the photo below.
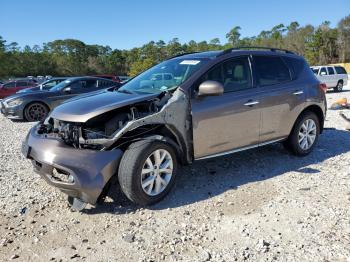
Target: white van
(334, 77)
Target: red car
(10, 88)
(110, 77)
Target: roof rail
(186, 53)
(227, 51)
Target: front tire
(339, 86)
(304, 135)
(35, 112)
(147, 171)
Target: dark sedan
(34, 106)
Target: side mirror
(323, 73)
(67, 90)
(210, 88)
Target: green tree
(234, 35)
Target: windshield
(47, 85)
(61, 85)
(164, 76)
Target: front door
(230, 121)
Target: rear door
(281, 96)
(332, 76)
(230, 121)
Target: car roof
(75, 78)
(234, 52)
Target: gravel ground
(262, 204)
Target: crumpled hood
(84, 108)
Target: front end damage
(79, 158)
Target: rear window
(340, 70)
(271, 70)
(296, 65)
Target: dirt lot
(263, 204)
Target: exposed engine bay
(117, 127)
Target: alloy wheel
(36, 112)
(307, 134)
(156, 172)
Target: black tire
(339, 86)
(292, 143)
(130, 168)
(35, 112)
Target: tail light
(323, 87)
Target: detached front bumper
(12, 112)
(90, 169)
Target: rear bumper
(11, 112)
(90, 169)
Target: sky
(126, 24)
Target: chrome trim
(251, 103)
(298, 93)
(240, 149)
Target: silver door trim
(251, 103)
(240, 149)
(298, 93)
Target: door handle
(296, 93)
(251, 103)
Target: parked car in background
(124, 79)
(110, 77)
(191, 107)
(34, 106)
(44, 85)
(334, 77)
(11, 87)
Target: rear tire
(35, 112)
(144, 179)
(339, 86)
(304, 135)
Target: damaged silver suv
(190, 107)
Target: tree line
(321, 44)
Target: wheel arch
(162, 132)
(319, 113)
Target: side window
(271, 70)
(9, 85)
(330, 70)
(323, 71)
(89, 83)
(103, 83)
(234, 74)
(21, 83)
(297, 66)
(76, 85)
(340, 70)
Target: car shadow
(330, 91)
(208, 178)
